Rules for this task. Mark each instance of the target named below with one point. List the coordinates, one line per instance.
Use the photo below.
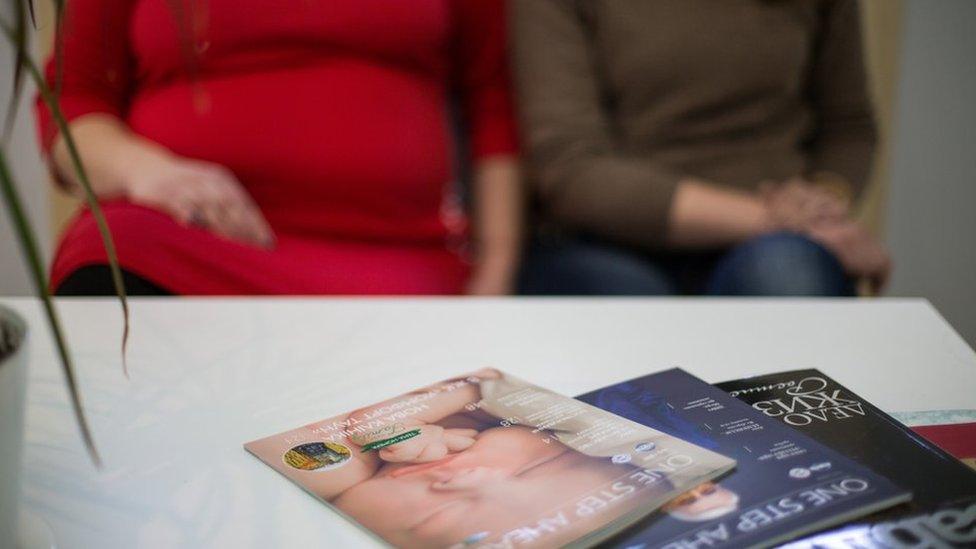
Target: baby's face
(503, 481)
(704, 502)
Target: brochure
(948, 527)
(785, 484)
(952, 430)
(811, 402)
(488, 460)
(959, 439)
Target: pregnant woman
(301, 147)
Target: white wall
(23, 160)
(932, 209)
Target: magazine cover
(785, 484)
(959, 439)
(951, 526)
(490, 460)
(952, 430)
(811, 402)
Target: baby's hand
(434, 442)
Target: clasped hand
(825, 217)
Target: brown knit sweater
(621, 99)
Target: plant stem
(29, 246)
(92, 200)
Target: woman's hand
(800, 206)
(200, 194)
(120, 163)
(797, 205)
(860, 253)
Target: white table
(210, 374)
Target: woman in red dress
(302, 147)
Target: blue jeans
(779, 264)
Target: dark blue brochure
(785, 484)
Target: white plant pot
(13, 391)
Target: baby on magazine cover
(487, 458)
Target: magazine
(952, 430)
(488, 460)
(959, 439)
(812, 402)
(785, 484)
(949, 526)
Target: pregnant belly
(342, 149)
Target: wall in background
(22, 155)
(931, 219)
(881, 22)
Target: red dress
(332, 113)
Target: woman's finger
(185, 205)
(224, 205)
(213, 218)
(238, 223)
(817, 209)
(262, 229)
(248, 221)
(249, 224)
(219, 207)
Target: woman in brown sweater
(695, 146)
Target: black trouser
(96, 280)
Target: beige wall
(882, 38)
(62, 206)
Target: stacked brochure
(785, 484)
(662, 461)
(811, 402)
(487, 459)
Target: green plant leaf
(91, 199)
(28, 243)
(25, 235)
(55, 109)
(33, 16)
